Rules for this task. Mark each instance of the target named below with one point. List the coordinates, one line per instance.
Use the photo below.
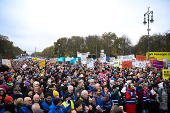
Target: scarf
(146, 92)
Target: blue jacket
(55, 109)
(99, 101)
(46, 107)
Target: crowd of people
(74, 88)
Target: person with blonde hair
(19, 102)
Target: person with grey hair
(91, 85)
(26, 108)
(35, 106)
(86, 101)
(70, 91)
(79, 89)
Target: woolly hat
(56, 101)
(7, 99)
(55, 93)
(9, 79)
(27, 83)
(158, 80)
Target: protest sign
(116, 63)
(53, 60)
(24, 66)
(59, 60)
(127, 64)
(6, 62)
(73, 60)
(166, 73)
(90, 63)
(83, 58)
(41, 63)
(140, 64)
(158, 55)
(34, 59)
(157, 64)
(140, 58)
(126, 57)
(67, 59)
(168, 64)
(102, 57)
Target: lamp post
(58, 50)
(148, 13)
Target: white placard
(103, 58)
(83, 58)
(140, 64)
(168, 64)
(126, 57)
(90, 63)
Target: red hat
(158, 80)
(9, 79)
(7, 99)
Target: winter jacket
(78, 90)
(56, 109)
(116, 97)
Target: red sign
(127, 64)
(140, 58)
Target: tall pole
(148, 32)
(96, 50)
(148, 13)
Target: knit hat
(9, 79)
(39, 111)
(27, 83)
(17, 83)
(7, 99)
(158, 80)
(145, 84)
(16, 89)
(56, 101)
(55, 93)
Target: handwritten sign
(127, 64)
(140, 58)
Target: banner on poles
(41, 63)
(127, 64)
(158, 55)
(126, 57)
(166, 73)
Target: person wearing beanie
(55, 94)
(9, 105)
(16, 92)
(47, 103)
(56, 107)
(68, 103)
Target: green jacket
(115, 94)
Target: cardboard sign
(90, 63)
(127, 64)
(53, 60)
(41, 63)
(140, 58)
(83, 58)
(166, 73)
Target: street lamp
(148, 13)
(58, 50)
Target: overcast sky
(39, 23)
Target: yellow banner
(41, 63)
(158, 55)
(166, 73)
(34, 59)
